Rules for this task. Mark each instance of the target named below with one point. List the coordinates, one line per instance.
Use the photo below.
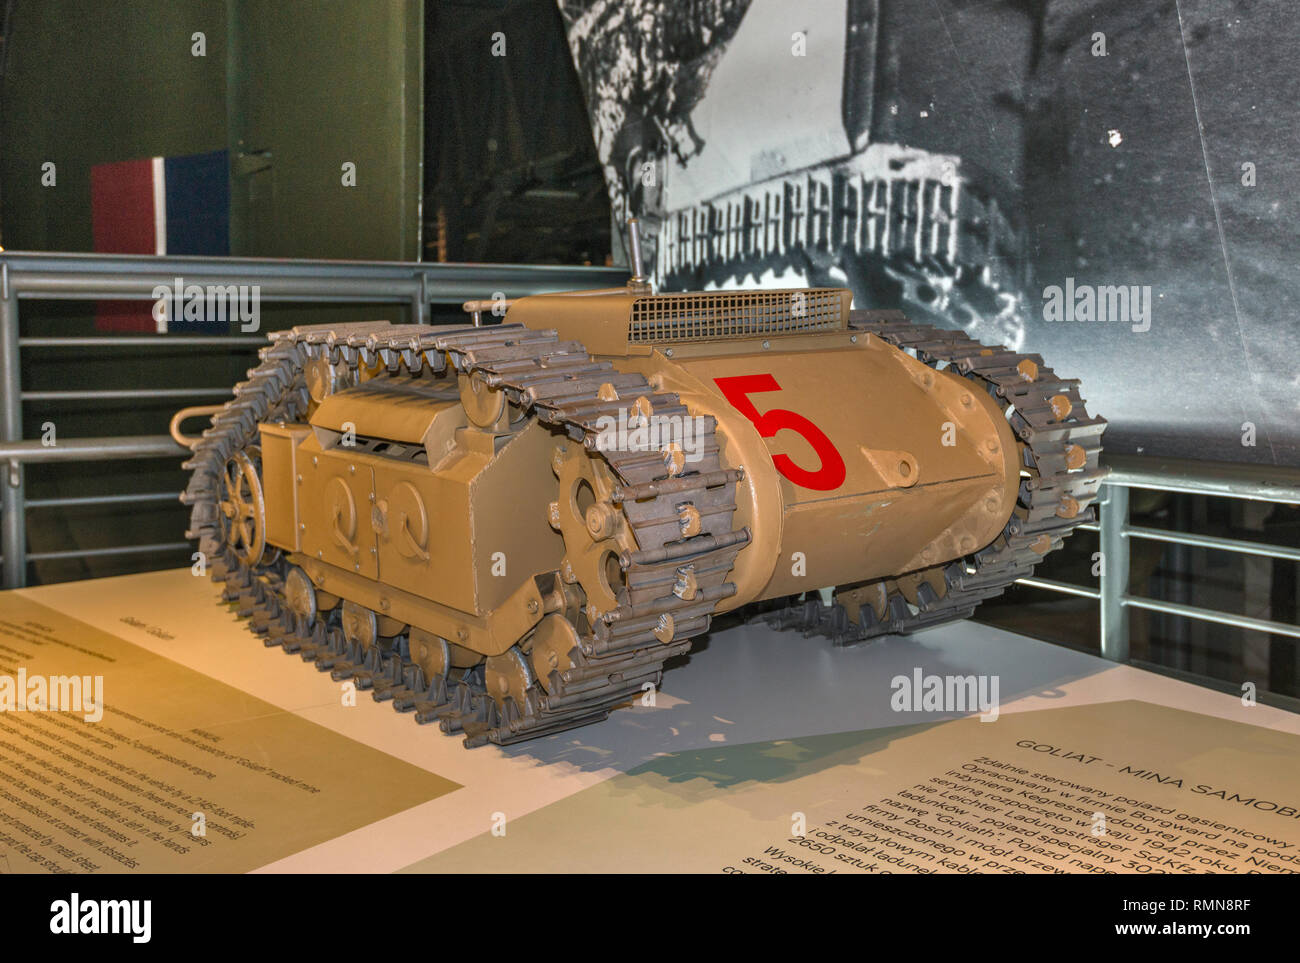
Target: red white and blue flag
(159, 205)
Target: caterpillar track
(672, 580)
(1060, 449)
(934, 473)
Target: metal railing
(89, 277)
(1115, 531)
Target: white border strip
(160, 227)
(159, 206)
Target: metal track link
(561, 385)
(1061, 475)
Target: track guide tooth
(387, 690)
(399, 696)
(451, 723)
(427, 712)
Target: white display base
(744, 685)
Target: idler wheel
(594, 530)
(243, 509)
(553, 640)
(360, 626)
(508, 675)
(484, 406)
(430, 652)
(321, 377)
(300, 595)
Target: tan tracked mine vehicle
(508, 528)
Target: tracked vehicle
(507, 528)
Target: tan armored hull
(508, 529)
(878, 464)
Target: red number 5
(829, 475)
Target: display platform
(766, 752)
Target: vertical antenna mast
(638, 279)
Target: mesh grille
(734, 314)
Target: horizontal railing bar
(62, 287)
(22, 263)
(146, 341)
(102, 552)
(92, 449)
(54, 276)
(1266, 483)
(125, 499)
(1214, 542)
(1210, 615)
(1065, 587)
(126, 394)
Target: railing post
(1113, 576)
(420, 308)
(13, 520)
